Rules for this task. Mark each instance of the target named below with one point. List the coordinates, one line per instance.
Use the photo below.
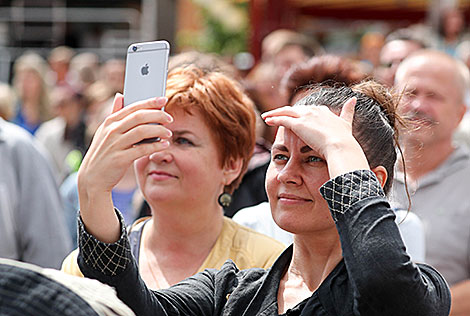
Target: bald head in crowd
(434, 86)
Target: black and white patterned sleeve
(109, 259)
(349, 188)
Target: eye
(280, 157)
(183, 141)
(435, 96)
(314, 159)
(409, 93)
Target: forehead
(420, 71)
(286, 137)
(189, 118)
(290, 52)
(398, 50)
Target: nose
(414, 104)
(290, 173)
(162, 156)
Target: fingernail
(162, 100)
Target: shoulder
(19, 142)
(253, 215)
(137, 225)
(70, 264)
(257, 249)
(457, 164)
(230, 276)
(242, 234)
(409, 219)
(53, 128)
(13, 134)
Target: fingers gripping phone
(146, 72)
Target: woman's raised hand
(325, 132)
(113, 150)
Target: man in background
(398, 45)
(437, 169)
(32, 225)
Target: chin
(296, 223)
(157, 196)
(291, 223)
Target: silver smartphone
(146, 72)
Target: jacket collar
(266, 296)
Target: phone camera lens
(134, 48)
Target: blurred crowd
(62, 98)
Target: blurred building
(339, 23)
(101, 26)
(107, 27)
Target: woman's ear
(232, 170)
(381, 174)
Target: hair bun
(386, 98)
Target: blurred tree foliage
(225, 28)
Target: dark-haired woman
(332, 163)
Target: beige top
(246, 247)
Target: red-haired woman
(185, 178)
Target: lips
(292, 198)
(421, 118)
(161, 175)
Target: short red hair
(228, 111)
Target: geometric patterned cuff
(109, 259)
(345, 190)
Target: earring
(225, 199)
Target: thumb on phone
(118, 102)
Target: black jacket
(376, 276)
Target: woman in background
(29, 82)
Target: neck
(315, 258)
(175, 245)
(30, 111)
(312, 261)
(182, 231)
(421, 160)
(452, 37)
(30, 100)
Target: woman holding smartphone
(332, 164)
(208, 138)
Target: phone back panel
(146, 71)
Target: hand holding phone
(146, 72)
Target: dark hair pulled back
(375, 119)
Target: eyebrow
(303, 150)
(280, 147)
(182, 132)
